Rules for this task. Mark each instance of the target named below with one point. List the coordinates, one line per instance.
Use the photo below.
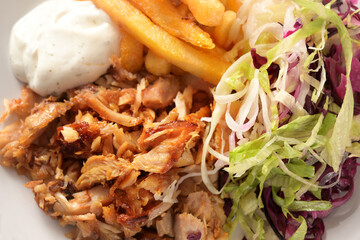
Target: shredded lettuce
(301, 231)
(287, 44)
(289, 131)
(355, 128)
(309, 206)
(354, 149)
(261, 156)
(300, 168)
(340, 139)
(235, 80)
(264, 81)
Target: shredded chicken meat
(106, 158)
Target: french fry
(221, 32)
(216, 52)
(131, 53)
(162, 43)
(234, 5)
(157, 65)
(183, 10)
(164, 14)
(206, 12)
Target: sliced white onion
(264, 108)
(251, 97)
(232, 141)
(206, 119)
(222, 142)
(289, 19)
(222, 89)
(218, 155)
(236, 127)
(304, 90)
(281, 80)
(288, 100)
(229, 98)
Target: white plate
(20, 217)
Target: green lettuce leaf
(300, 168)
(340, 138)
(301, 231)
(286, 44)
(309, 206)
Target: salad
(288, 111)
(235, 119)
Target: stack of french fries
(168, 35)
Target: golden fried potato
(183, 10)
(206, 12)
(177, 52)
(221, 32)
(157, 65)
(234, 5)
(164, 14)
(131, 53)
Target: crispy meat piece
(10, 133)
(158, 183)
(107, 160)
(127, 96)
(99, 169)
(124, 182)
(183, 102)
(43, 162)
(208, 208)
(199, 204)
(33, 126)
(119, 97)
(137, 204)
(164, 226)
(89, 228)
(83, 202)
(169, 141)
(186, 159)
(86, 135)
(22, 106)
(166, 142)
(187, 225)
(121, 118)
(146, 235)
(120, 74)
(87, 224)
(196, 117)
(41, 116)
(134, 204)
(128, 138)
(161, 93)
(200, 99)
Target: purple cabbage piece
(343, 190)
(337, 195)
(194, 236)
(227, 206)
(337, 74)
(346, 8)
(258, 60)
(298, 24)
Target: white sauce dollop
(62, 44)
